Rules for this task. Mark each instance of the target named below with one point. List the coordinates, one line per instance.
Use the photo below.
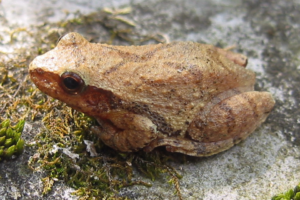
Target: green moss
(292, 194)
(11, 142)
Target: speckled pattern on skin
(192, 98)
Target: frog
(191, 98)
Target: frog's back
(136, 71)
(179, 72)
(156, 73)
(174, 80)
(185, 68)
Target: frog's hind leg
(221, 126)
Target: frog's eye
(72, 83)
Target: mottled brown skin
(192, 98)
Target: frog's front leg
(237, 58)
(125, 131)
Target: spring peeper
(193, 98)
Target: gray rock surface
(267, 32)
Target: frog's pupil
(71, 83)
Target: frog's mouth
(48, 82)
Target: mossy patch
(11, 143)
(292, 194)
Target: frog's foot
(126, 132)
(194, 148)
(123, 140)
(237, 58)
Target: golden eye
(72, 83)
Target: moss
(292, 194)
(11, 143)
